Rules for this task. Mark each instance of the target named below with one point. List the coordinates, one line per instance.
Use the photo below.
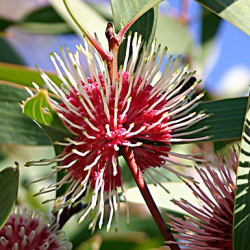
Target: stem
(106, 56)
(137, 174)
(114, 43)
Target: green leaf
(143, 11)
(45, 28)
(241, 227)
(5, 23)
(15, 127)
(103, 9)
(8, 53)
(44, 20)
(226, 120)
(9, 178)
(23, 75)
(209, 28)
(177, 190)
(235, 12)
(125, 10)
(86, 16)
(175, 35)
(45, 14)
(39, 109)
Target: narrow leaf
(235, 12)
(242, 198)
(39, 109)
(44, 20)
(23, 75)
(226, 120)
(9, 178)
(45, 28)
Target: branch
(137, 174)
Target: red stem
(137, 174)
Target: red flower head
(32, 230)
(211, 224)
(135, 107)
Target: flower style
(211, 224)
(32, 230)
(130, 107)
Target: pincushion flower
(111, 109)
(211, 224)
(27, 229)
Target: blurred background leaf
(235, 12)
(161, 197)
(209, 29)
(86, 16)
(8, 53)
(44, 21)
(23, 75)
(170, 32)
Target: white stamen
(69, 122)
(136, 132)
(75, 151)
(93, 163)
(114, 165)
(88, 136)
(127, 108)
(91, 125)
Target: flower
(27, 229)
(130, 107)
(211, 224)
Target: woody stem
(137, 174)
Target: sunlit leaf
(144, 12)
(87, 17)
(22, 75)
(242, 199)
(125, 10)
(171, 33)
(9, 178)
(235, 12)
